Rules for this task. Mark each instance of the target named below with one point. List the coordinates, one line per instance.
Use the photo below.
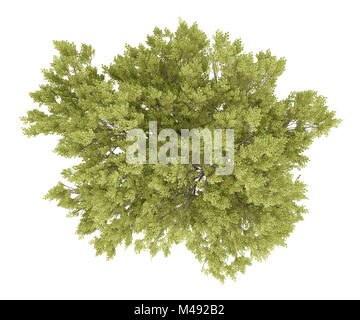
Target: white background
(40, 255)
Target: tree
(182, 80)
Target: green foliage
(185, 81)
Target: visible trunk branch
(243, 204)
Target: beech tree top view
(181, 80)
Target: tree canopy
(182, 80)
